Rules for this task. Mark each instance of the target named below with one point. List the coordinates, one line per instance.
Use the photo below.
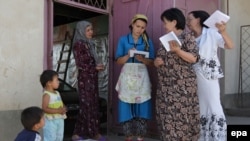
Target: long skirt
(128, 111)
(213, 122)
(177, 112)
(87, 124)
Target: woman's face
(192, 22)
(89, 32)
(169, 25)
(138, 27)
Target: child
(53, 107)
(32, 119)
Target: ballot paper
(216, 17)
(132, 53)
(169, 37)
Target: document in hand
(132, 53)
(169, 37)
(216, 17)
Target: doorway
(62, 18)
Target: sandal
(77, 138)
(102, 138)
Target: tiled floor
(230, 121)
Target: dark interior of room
(64, 14)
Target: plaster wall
(21, 61)
(239, 15)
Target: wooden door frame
(49, 19)
(48, 33)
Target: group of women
(188, 104)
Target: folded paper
(136, 52)
(216, 17)
(169, 37)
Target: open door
(62, 17)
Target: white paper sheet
(169, 37)
(134, 52)
(216, 17)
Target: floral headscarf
(144, 35)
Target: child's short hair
(47, 76)
(31, 116)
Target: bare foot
(97, 136)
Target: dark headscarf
(80, 36)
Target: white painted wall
(239, 12)
(21, 53)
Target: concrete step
(236, 104)
(241, 112)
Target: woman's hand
(99, 67)
(130, 50)
(174, 46)
(221, 27)
(139, 58)
(158, 62)
(222, 30)
(122, 60)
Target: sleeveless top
(55, 102)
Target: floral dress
(208, 72)
(177, 107)
(87, 124)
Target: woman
(177, 107)
(208, 71)
(87, 124)
(134, 86)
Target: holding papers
(216, 17)
(132, 53)
(169, 37)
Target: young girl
(134, 100)
(53, 107)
